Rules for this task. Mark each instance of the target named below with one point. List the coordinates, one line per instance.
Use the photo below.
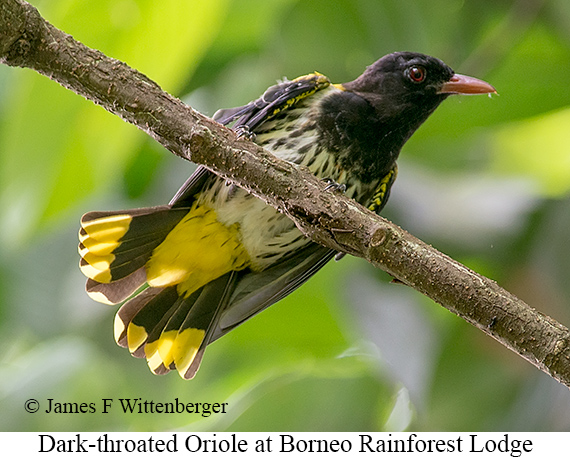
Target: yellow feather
(97, 247)
(154, 362)
(186, 347)
(198, 250)
(109, 228)
(151, 350)
(97, 262)
(101, 298)
(118, 327)
(96, 274)
(136, 336)
(164, 346)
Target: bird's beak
(460, 84)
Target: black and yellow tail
(187, 259)
(169, 330)
(115, 246)
(185, 277)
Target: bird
(192, 270)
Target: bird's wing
(273, 101)
(256, 291)
(193, 185)
(382, 192)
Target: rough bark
(27, 40)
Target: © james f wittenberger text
(127, 406)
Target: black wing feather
(256, 291)
(273, 101)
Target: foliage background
(485, 180)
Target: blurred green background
(484, 180)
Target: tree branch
(27, 40)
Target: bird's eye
(417, 74)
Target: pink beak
(460, 84)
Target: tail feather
(171, 330)
(129, 310)
(118, 291)
(158, 348)
(113, 245)
(197, 330)
(183, 256)
(149, 316)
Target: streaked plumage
(215, 255)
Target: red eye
(417, 74)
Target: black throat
(366, 135)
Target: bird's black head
(411, 84)
(372, 117)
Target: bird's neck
(371, 137)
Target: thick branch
(26, 40)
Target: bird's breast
(297, 137)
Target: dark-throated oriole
(215, 256)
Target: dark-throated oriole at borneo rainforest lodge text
(194, 269)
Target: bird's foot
(243, 131)
(334, 186)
